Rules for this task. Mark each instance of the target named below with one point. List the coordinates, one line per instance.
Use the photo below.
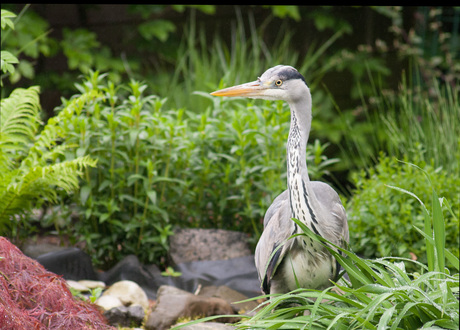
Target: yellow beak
(250, 89)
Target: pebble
(77, 286)
(108, 302)
(129, 293)
(92, 284)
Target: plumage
(285, 264)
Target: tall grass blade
(439, 232)
(430, 248)
(449, 255)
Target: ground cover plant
(33, 298)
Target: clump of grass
(413, 122)
(379, 293)
(205, 59)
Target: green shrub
(381, 220)
(159, 168)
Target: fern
(19, 121)
(30, 166)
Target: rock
(207, 244)
(123, 316)
(108, 302)
(129, 293)
(174, 303)
(85, 285)
(237, 273)
(129, 268)
(77, 286)
(231, 296)
(92, 284)
(34, 250)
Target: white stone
(77, 286)
(129, 293)
(92, 284)
(108, 302)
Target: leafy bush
(31, 171)
(381, 220)
(33, 298)
(158, 168)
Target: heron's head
(281, 82)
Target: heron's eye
(278, 83)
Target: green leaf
(103, 217)
(133, 178)
(152, 196)
(85, 191)
(158, 28)
(6, 20)
(7, 61)
(438, 232)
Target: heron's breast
(310, 263)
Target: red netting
(33, 298)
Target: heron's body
(299, 261)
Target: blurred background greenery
(130, 84)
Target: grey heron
(300, 261)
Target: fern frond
(26, 184)
(54, 130)
(39, 174)
(19, 118)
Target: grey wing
(335, 224)
(278, 228)
(279, 202)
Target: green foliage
(431, 44)
(30, 168)
(422, 113)
(27, 35)
(414, 125)
(6, 19)
(7, 59)
(84, 53)
(171, 272)
(158, 168)
(7, 62)
(29, 162)
(414, 122)
(380, 293)
(381, 221)
(203, 60)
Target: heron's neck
(298, 136)
(300, 194)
